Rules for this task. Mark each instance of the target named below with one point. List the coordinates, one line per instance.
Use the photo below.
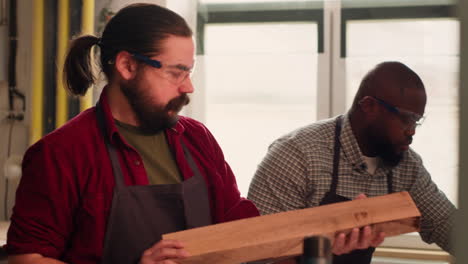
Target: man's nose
(186, 86)
(411, 130)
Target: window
(260, 80)
(426, 39)
(430, 48)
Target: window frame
(259, 13)
(391, 12)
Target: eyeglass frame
(416, 119)
(158, 65)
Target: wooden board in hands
(280, 235)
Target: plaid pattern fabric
(297, 171)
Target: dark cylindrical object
(317, 250)
(12, 35)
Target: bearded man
(104, 187)
(364, 152)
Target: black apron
(360, 256)
(140, 215)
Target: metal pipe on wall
(87, 27)
(12, 55)
(13, 92)
(3, 12)
(63, 34)
(37, 72)
(75, 29)
(50, 65)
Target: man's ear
(369, 106)
(125, 65)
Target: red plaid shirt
(64, 197)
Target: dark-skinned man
(364, 152)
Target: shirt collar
(110, 127)
(178, 128)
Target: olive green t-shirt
(158, 160)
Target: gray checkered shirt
(297, 172)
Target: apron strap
(116, 168)
(196, 203)
(336, 154)
(390, 182)
(189, 158)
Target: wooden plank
(280, 235)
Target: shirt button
(137, 162)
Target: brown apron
(140, 215)
(360, 256)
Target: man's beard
(384, 149)
(153, 118)
(388, 154)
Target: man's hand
(357, 239)
(164, 252)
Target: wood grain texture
(281, 235)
